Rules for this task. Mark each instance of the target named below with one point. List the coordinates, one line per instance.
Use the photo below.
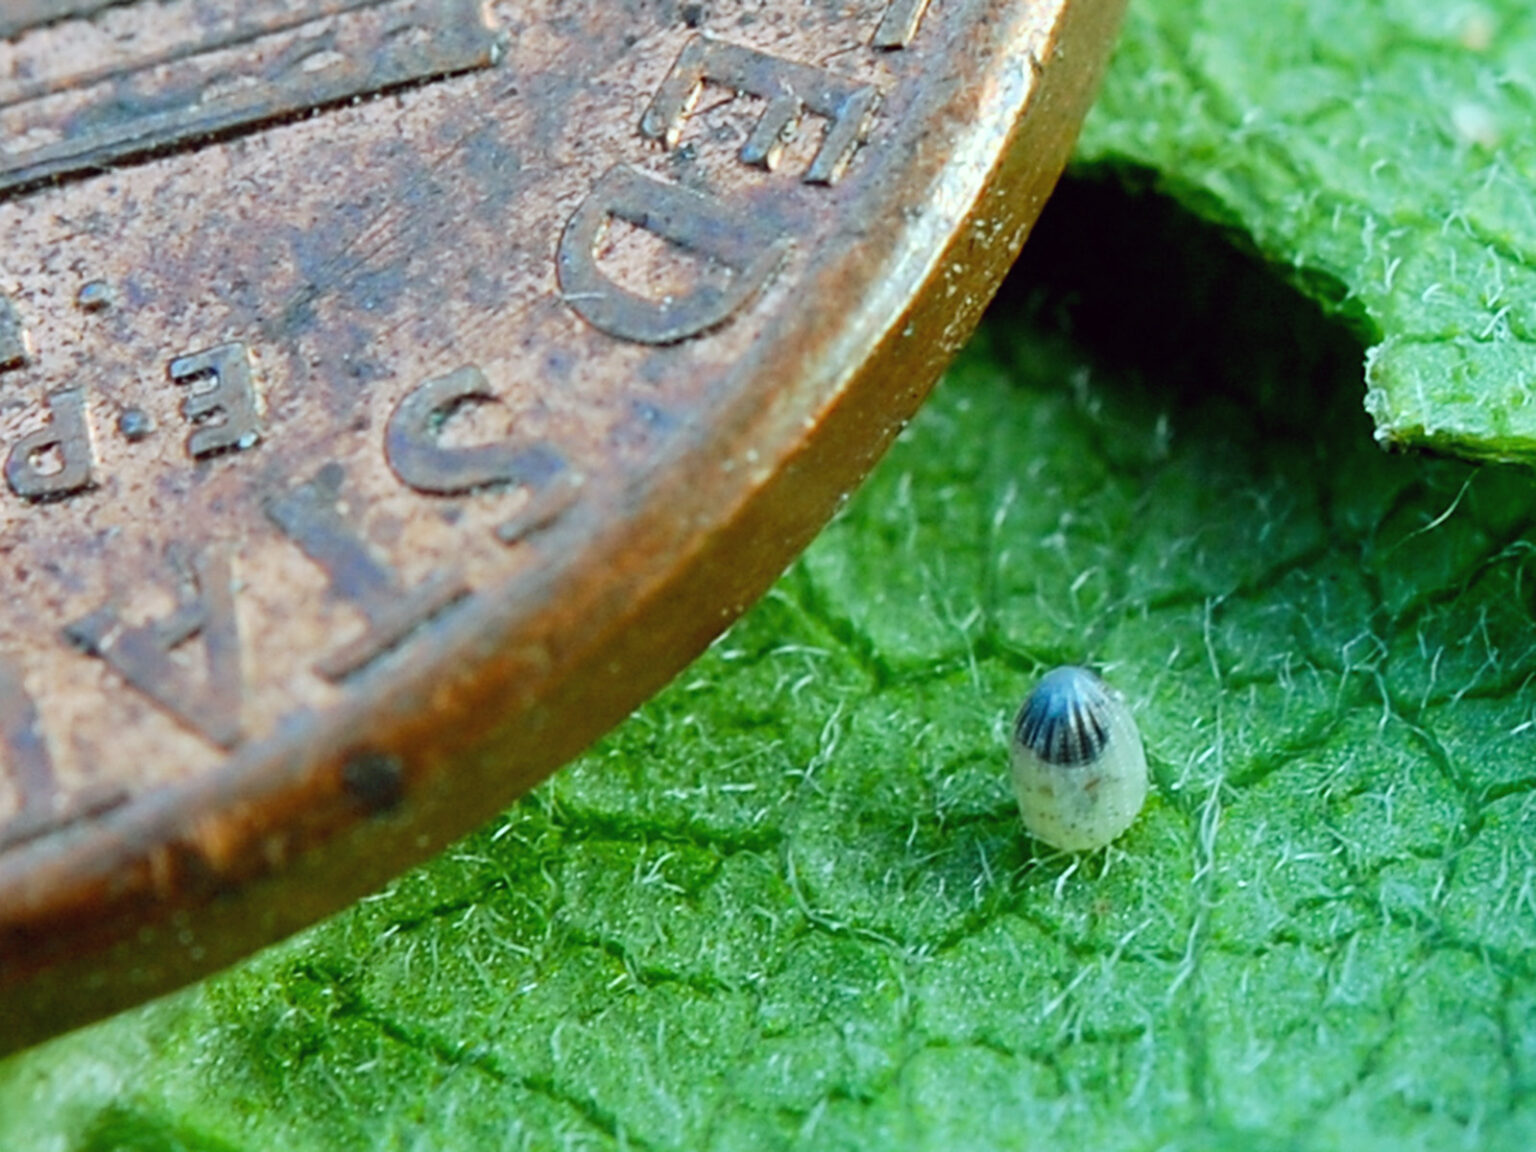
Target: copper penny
(394, 393)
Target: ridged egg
(1079, 768)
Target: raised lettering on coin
(543, 511)
(901, 22)
(226, 413)
(25, 762)
(413, 446)
(15, 345)
(312, 517)
(262, 63)
(208, 704)
(694, 222)
(56, 460)
(790, 90)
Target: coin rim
(94, 919)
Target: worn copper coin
(394, 393)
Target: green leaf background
(789, 904)
(1381, 151)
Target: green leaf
(790, 904)
(1382, 153)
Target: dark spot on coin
(97, 296)
(331, 477)
(374, 780)
(135, 424)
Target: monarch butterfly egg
(1079, 769)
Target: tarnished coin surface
(394, 393)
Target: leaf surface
(1382, 153)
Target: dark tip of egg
(1065, 720)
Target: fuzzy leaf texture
(1382, 151)
(790, 905)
